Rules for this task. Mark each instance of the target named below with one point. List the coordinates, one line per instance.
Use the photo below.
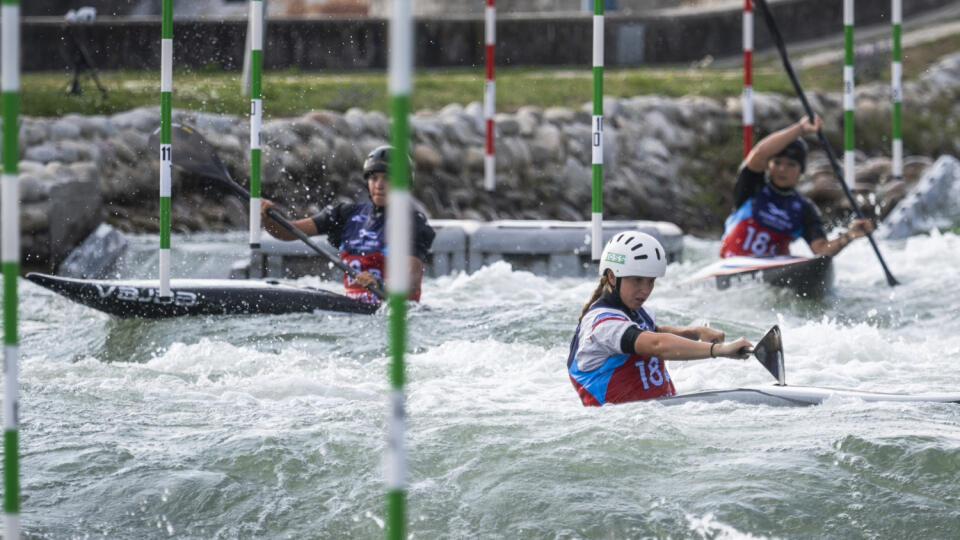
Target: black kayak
(141, 298)
(808, 277)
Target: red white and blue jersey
(767, 219)
(359, 231)
(600, 370)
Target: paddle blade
(769, 351)
(191, 152)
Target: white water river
(274, 426)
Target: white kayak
(806, 276)
(800, 396)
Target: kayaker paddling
(359, 231)
(618, 349)
(768, 212)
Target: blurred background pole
(256, 118)
(166, 149)
(849, 101)
(747, 77)
(10, 252)
(597, 142)
(896, 73)
(489, 97)
(399, 227)
(247, 49)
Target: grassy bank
(291, 93)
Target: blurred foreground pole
(747, 102)
(166, 149)
(896, 73)
(10, 252)
(256, 118)
(399, 228)
(849, 100)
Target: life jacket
(617, 377)
(764, 225)
(363, 248)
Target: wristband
(711, 350)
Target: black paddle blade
(191, 152)
(769, 351)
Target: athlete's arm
(772, 144)
(668, 346)
(277, 231)
(858, 229)
(365, 279)
(696, 333)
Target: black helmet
(797, 151)
(377, 160)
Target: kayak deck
(800, 396)
(807, 277)
(141, 298)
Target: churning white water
(274, 426)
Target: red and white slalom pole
(747, 99)
(489, 98)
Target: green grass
(291, 92)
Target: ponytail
(593, 298)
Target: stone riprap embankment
(664, 159)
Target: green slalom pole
(399, 235)
(896, 74)
(597, 142)
(849, 164)
(256, 119)
(10, 253)
(166, 149)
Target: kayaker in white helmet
(617, 353)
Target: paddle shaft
(838, 173)
(241, 192)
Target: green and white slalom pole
(256, 119)
(597, 204)
(399, 236)
(849, 165)
(10, 253)
(166, 149)
(896, 74)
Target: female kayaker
(617, 353)
(768, 212)
(358, 230)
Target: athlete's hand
(860, 227)
(265, 204)
(733, 348)
(810, 127)
(710, 335)
(364, 279)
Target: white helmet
(632, 253)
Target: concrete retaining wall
(360, 43)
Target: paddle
(769, 351)
(778, 41)
(192, 153)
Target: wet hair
(593, 298)
(797, 151)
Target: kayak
(809, 277)
(800, 396)
(141, 298)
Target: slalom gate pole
(166, 149)
(256, 119)
(399, 211)
(896, 74)
(597, 199)
(489, 97)
(747, 101)
(10, 253)
(849, 99)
